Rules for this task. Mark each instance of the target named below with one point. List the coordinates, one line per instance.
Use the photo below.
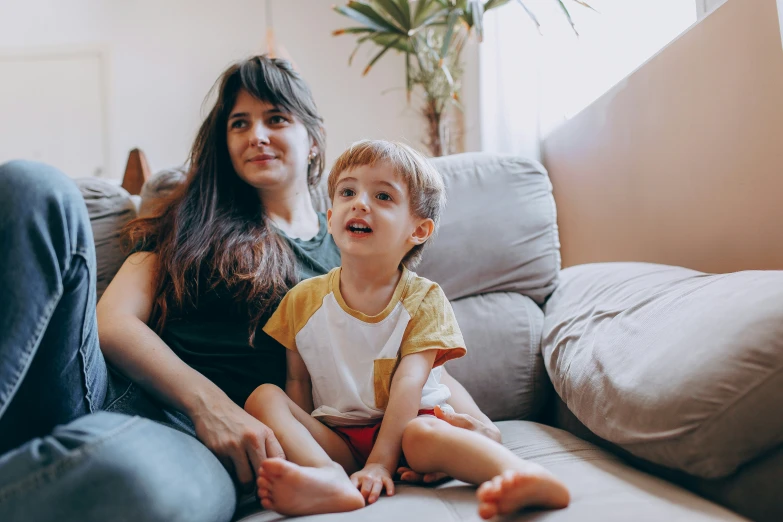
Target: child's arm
(297, 384)
(404, 401)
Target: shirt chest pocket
(383, 370)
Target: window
(611, 44)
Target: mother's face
(269, 147)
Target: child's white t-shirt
(351, 357)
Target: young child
(365, 347)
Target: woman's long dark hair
(213, 228)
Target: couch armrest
(137, 171)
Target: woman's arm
(239, 440)
(467, 413)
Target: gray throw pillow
(678, 367)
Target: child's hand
(371, 480)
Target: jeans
(61, 457)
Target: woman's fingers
(460, 420)
(245, 475)
(434, 477)
(412, 476)
(255, 460)
(273, 447)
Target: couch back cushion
(110, 207)
(678, 367)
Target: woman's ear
(423, 231)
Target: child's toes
(264, 483)
(490, 490)
(511, 480)
(268, 504)
(487, 510)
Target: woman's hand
(468, 422)
(460, 420)
(239, 440)
(371, 480)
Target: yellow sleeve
(296, 309)
(281, 326)
(433, 327)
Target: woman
(181, 319)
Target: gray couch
(647, 389)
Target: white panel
(780, 17)
(52, 111)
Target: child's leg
(508, 483)
(314, 479)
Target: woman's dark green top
(213, 338)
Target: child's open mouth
(358, 227)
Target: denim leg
(51, 367)
(109, 467)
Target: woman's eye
(346, 193)
(384, 196)
(276, 120)
(238, 124)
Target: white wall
(162, 56)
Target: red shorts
(361, 439)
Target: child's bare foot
(514, 490)
(290, 489)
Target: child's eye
(347, 192)
(384, 196)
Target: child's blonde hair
(425, 184)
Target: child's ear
(423, 231)
(329, 220)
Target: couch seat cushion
(680, 368)
(603, 489)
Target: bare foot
(514, 490)
(290, 489)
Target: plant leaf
(408, 82)
(393, 10)
(431, 19)
(352, 30)
(359, 43)
(405, 7)
(585, 4)
(403, 44)
(530, 15)
(423, 8)
(365, 14)
(476, 10)
(452, 20)
(378, 56)
(491, 4)
(568, 16)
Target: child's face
(371, 216)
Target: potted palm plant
(431, 34)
